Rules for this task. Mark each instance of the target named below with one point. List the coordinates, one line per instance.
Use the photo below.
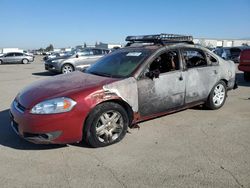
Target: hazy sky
(63, 23)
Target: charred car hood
(59, 86)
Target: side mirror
(77, 55)
(153, 74)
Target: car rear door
(159, 95)
(18, 57)
(201, 74)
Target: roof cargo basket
(160, 39)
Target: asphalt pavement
(191, 148)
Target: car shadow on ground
(45, 73)
(241, 81)
(8, 137)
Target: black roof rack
(160, 39)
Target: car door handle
(215, 72)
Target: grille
(19, 107)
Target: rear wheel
(107, 124)
(67, 68)
(217, 97)
(25, 61)
(247, 76)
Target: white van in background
(7, 50)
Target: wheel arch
(121, 102)
(225, 81)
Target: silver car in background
(16, 57)
(79, 61)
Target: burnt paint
(161, 94)
(126, 89)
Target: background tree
(49, 48)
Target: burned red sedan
(152, 76)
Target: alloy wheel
(219, 95)
(67, 69)
(109, 126)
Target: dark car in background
(54, 55)
(16, 57)
(79, 61)
(230, 53)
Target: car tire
(217, 96)
(107, 124)
(247, 76)
(67, 68)
(25, 61)
(1, 62)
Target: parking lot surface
(191, 148)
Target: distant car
(28, 53)
(16, 57)
(245, 64)
(79, 61)
(230, 53)
(153, 76)
(58, 55)
(51, 56)
(223, 52)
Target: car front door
(201, 74)
(163, 93)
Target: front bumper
(61, 128)
(31, 59)
(52, 67)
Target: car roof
(155, 47)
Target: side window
(212, 60)
(194, 58)
(9, 55)
(84, 53)
(97, 52)
(166, 62)
(18, 54)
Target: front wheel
(25, 61)
(107, 124)
(217, 97)
(67, 68)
